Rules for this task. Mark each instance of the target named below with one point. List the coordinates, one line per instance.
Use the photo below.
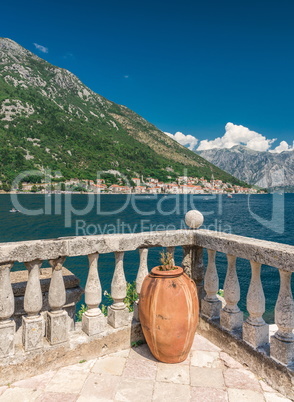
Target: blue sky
(186, 66)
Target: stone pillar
(255, 330)
(142, 273)
(118, 313)
(231, 318)
(33, 324)
(93, 321)
(211, 305)
(57, 318)
(193, 258)
(171, 250)
(198, 270)
(187, 261)
(282, 342)
(7, 326)
(193, 266)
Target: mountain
(50, 119)
(264, 169)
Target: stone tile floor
(208, 374)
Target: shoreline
(143, 194)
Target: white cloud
(284, 146)
(234, 135)
(42, 49)
(68, 56)
(238, 135)
(184, 139)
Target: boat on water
(229, 196)
(14, 210)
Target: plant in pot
(169, 311)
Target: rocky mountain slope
(265, 169)
(50, 119)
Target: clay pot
(169, 313)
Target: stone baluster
(93, 321)
(33, 323)
(142, 273)
(171, 250)
(7, 326)
(255, 329)
(57, 324)
(231, 318)
(118, 313)
(282, 342)
(211, 305)
(193, 255)
(193, 266)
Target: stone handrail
(84, 245)
(254, 330)
(277, 255)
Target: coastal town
(149, 185)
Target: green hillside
(50, 119)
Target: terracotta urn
(169, 313)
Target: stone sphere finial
(194, 219)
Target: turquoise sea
(268, 217)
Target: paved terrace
(209, 374)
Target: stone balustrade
(254, 331)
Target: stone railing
(54, 329)
(254, 331)
(54, 325)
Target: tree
(6, 187)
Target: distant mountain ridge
(50, 119)
(264, 169)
